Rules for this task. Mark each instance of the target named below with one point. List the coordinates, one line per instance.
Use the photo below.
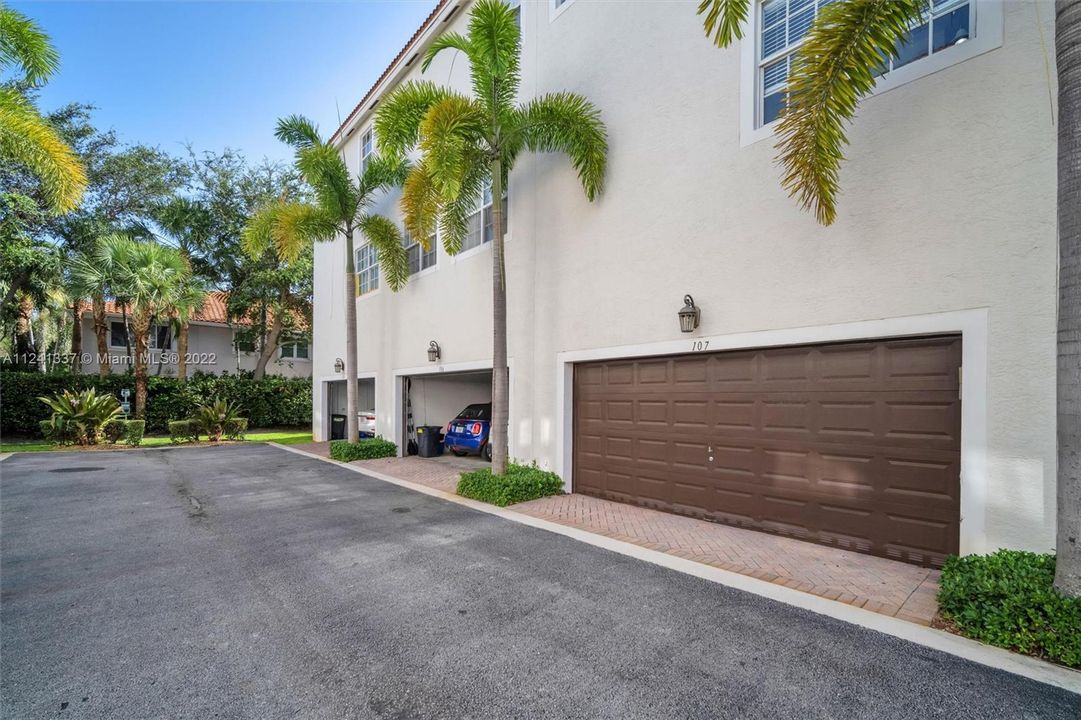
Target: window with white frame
(367, 146)
(367, 270)
(161, 336)
(481, 222)
(419, 258)
(296, 350)
(783, 25)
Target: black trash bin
(428, 444)
(337, 427)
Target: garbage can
(337, 427)
(428, 444)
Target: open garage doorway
(336, 404)
(431, 401)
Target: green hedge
(521, 483)
(368, 449)
(1008, 599)
(271, 402)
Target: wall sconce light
(339, 365)
(689, 315)
(433, 351)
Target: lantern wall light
(433, 351)
(339, 365)
(689, 315)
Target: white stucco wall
(948, 206)
(210, 346)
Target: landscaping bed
(1008, 599)
(521, 483)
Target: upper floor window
(783, 25)
(297, 350)
(481, 222)
(367, 146)
(367, 269)
(556, 7)
(419, 258)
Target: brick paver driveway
(248, 582)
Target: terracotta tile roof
(401, 54)
(215, 310)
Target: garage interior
(854, 445)
(336, 403)
(433, 400)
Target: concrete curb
(1023, 665)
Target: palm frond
(452, 128)
(724, 19)
(568, 123)
(419, 203)
(323, 168)
(24, 44)
(446, 41)
(455, 212)
(387, 241)
(398, 118)
(382, 172)
(286, 228)
(29, 140)
(832, 70)
(495, 41)
(297, 131)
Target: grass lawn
(286, 436)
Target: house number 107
(697, 345)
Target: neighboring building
(822, 394)
(213, 344)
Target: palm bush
(217, 418)
(79, 417)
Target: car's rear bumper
(467, 443)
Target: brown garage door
(855, 445)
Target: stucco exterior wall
(948, 205)
(210, 347)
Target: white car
(366, 423)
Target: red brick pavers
(884, 586)
(438, 473)
(321, 449)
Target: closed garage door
(855, 445)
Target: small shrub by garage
(1008, 599)
(521, 483)
(367, 449)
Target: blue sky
(219, 74)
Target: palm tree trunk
(24, 332)
(352, 426)
(127, 330)
(77, 336)
(141, 329)
(270, 345)
(1068, 52)
(101, 330)
(182, 352)
(500, 373)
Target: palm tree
(835, 68)
(1068, 55)
(187, 300)
(340, 208)
(187, 222)
(467, 142)
(151, 276)
(94, 274)
(26, 137)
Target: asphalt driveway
(249, 582)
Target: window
(555, 7)
(367, 145)
(161, 336)
(245, 345)
(297, 350)
(419, 258)
(367, 270)
(481, 222)
(783, 24)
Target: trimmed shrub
(521, 483)
(114, 431)
(133, 432)
(235, 429)
(274, 401)
(183, 431)
(1008, 599)
(366, 449)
